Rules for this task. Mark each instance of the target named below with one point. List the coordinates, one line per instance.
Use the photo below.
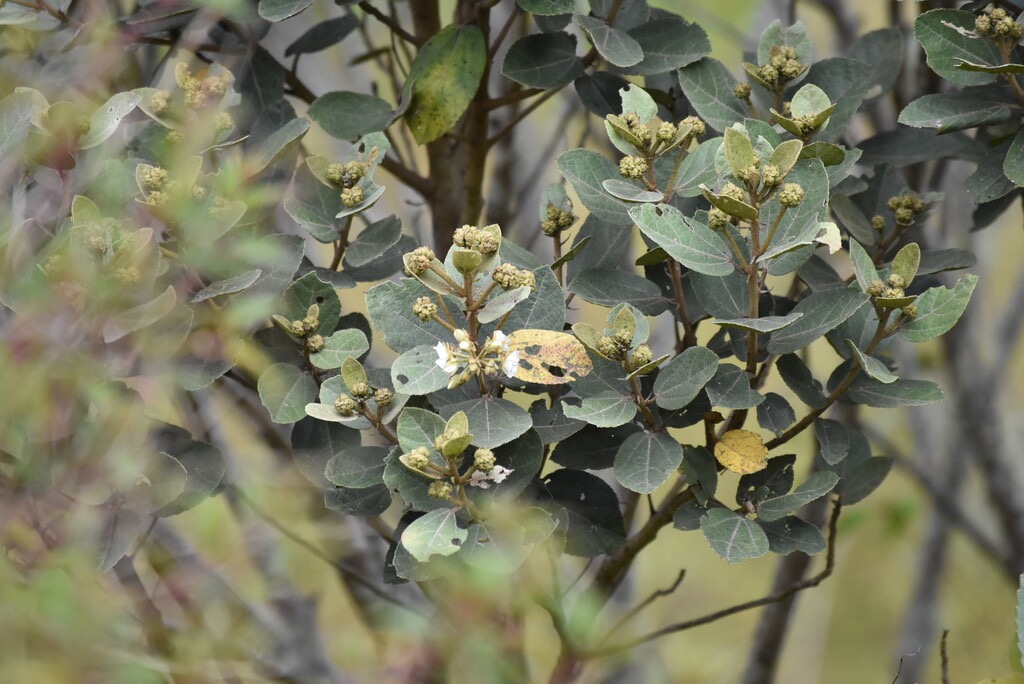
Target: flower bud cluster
(351, 197)
(998, 24)
(472, 237)
(782, 67)
(424, 308)
(466, 359)
(742, 91)
(697, 125)
(905, 208)
(420, 260)
(508, 277)
(791, 195)
(717, 219)
(360, 393)
(199, 92)
(346, 175)
(632, 167)
(557, 220)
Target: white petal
(511, 364)
(442, 355)
(499, 473)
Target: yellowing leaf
(548, 357)
(741, 451)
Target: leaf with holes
(436, 533)
(548, 357)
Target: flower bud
(732, 191)
(632, 167)
(910, 310)
(876, 288)
(697, 124)
(904, 216)
(771, 176)
(641, 356)
(878, 222)
(158, 101)
(440, 489)
(893, 293)
(345, 406)
(362, 390)
(315, 343)
(335, 172)
(623, 337)
(896, 280)
(383, 397)
(424, 308)
(742, 91)
(298, 329)
(350, 197)
(667, 132)
(717, 219)
(506, 275)
(418, 458)
(791, 195)
(484, 460)
(154, 177)
(223, 122)
(607, 347)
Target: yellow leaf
(742, 451)
(1013, 679)
(548, 357)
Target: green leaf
(105, 120)
(956, 111)
(829, 154)
(227, 286)
(139, 317)
(616, 46)
(863, 266)
(595, 523)
(938, 310)
(343, 344)
(586, 170)
(543, 60)
(822, 311)
(775, 414)
(372, 193)
(1013, 166)
(1020, 618)
(730, 388)
(418, 428)
(798, 378)
(493, 422)
(204, 469)
(608, 409)
(592, 448)
(571, 253)
(682, 379)
(274, 146)
(701, 470)
(551, 424)
(913, 145)
(357, 468)
(416, 372)
(375, 239)
(817, 485)
(315, 442)
(698, 168)
(608, 287)
(989, 181)
(646, 460)
(739, 153)
(444, 78)
(307, 291)
(895, 394)
(686, 240)
(708, 86)
(723, 297)
(436, 533)
(786, 154)
(833, 440)
(547, 8)
(775, 479)
(882, 51)
(323, 35)
(906, 261)
(945, 46)
(315, 207)
(791, 534)
(347, 116)
(733, 537)
(668, 43)
(630, 192)
(731, 206)
(389, 306)
(794, 36)
(359, 502)
(279, 10)
(872, 366)
(544, 309)
(938, 260)
(844, 82)
(285, 390)
(863, 479)
(764, 324)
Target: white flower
(444, 358)
(497, 475)
(511, 364)
(462, 337)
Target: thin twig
(655, 595)
(944, 655)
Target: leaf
(668, 42)
(938, 310)
(607, 409)
(739, 153)
(845, 82)
(872, 366)
(829, 154)
(551, 424)
(609, 287)
(548, 357)
(389, 306)
(543, 60)
(790, 534)
(592, 448)
(323, 35)
(863, 479)
(730, 388)
(794, 36)
(343, 344)
(686, 240)
(708, 86)
(863, 266)
(764, 324)
(595, 523)
(741, 451)
(547, 8)
(227, 286)
(989, 181)
(416, 372)
(616, 46)
(682, 379)
(646, 460)
(492, 422)
(586, 170)
(733, 537)
(952, 259)
(895, 394)
(544, 308)
(444, 77)
(107, 117)
(1013, 166)
(285, 390)
(906, 145)
(436, 533)
(833, 441)
(698, 168)
(368, 501)
(276, 144)
(775, 480)
(906, 261)
(945, 46)
(204, 469)
(139, 317)
(724, 297)
(571, 253)
(959, 110)
(882, 51)
(357, 468)
(375, 239)
(347, 116)
(817, 485)
(775, 414)
(307, 291)
(630, 192)
(315, 442)
(279, 10)
(798, 378)
(822, 311)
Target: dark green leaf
(646, 460)
(592, 448)
(945, 46)
(698, 168)
(895, 394)
(967, 108)
(829, 154)
(722, 297)
(339, 346)
(668, 42)
(817, 485)
(863, 479)
(872, 366)
(764, 324)
(775, 414)
(989, 181)
(822, 311)
(390, 308)
(374, 241)
(348, 116)
(682, 379)
(730, 388)
(551, 424)
(609, 287)
(586, 170)
(688, 241)
(204, 469)
(616, 46)
(938, 310)
(323, 35)
(1013, 165)
(360, 502)
(630, 192)
(608, 409)
(595, 521)
(908, 145)
(357, 468)
(307, 291)
(775, 480)
(882, 50)
(708, 86)
(416, 372)
(493, 422)
(285, 390)
(938, 260)
(833, 441)
(733, 537)
(543, 60)
(279, 10)
(793, 534)
(315, 442)
(274, 146)
(547, 8)
(227, 286)
(435, 533)
(798, 378)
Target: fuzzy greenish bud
(345, 406)
(641, 356)
(484, 460)
(158, 101)
(506, 275)
(362, 390)
(904, 216)
(791, 68)
(174, 137)
(440, 489)
(298, 329)
(154, 178)
(383, 397)
(632, 167)
(128, 276)
(768, 73)
(607, 347)
(771, 176)
(351, 197)
(732, 191)
(896, 280)
(742, 91)
(878, 222)
(157, 198)
(876, 288)
(791, 195)
(335, 172)
(418, 458)
(623, 337)
(749, 174)
(315, 343)
(893, 292)
(424, 308)
(223, 122)
(910, 310)
(696, 123)
(717, 219)
(983, 24)
(667, 132)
